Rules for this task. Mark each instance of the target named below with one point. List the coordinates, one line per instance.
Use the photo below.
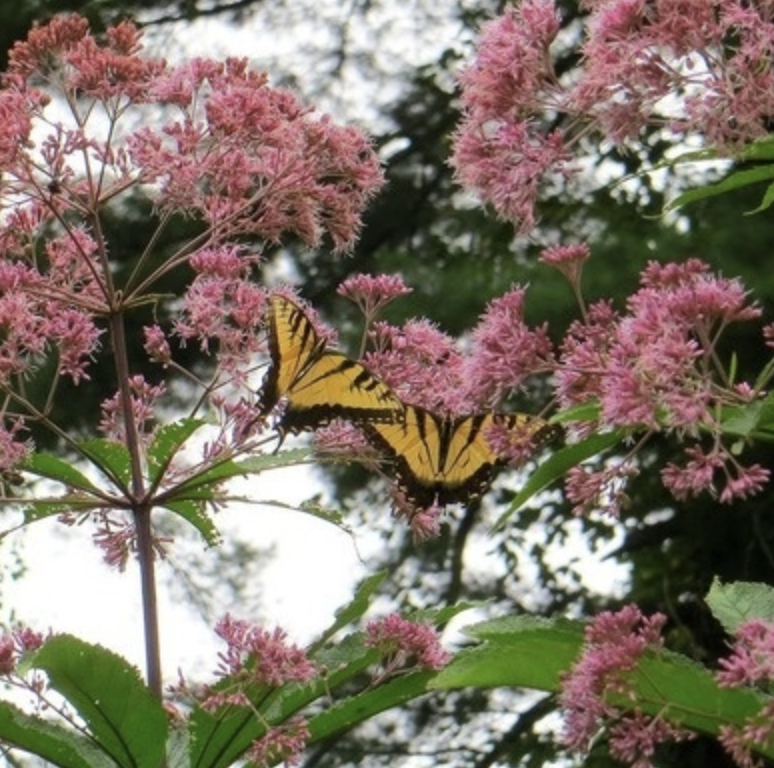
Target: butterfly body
(445, 459)
(318, 384)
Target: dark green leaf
(557, 465)
(730, 183)
(122, 715)
(54, 743)
(195, 513)
(111, 458)
(348, 713)
(167, 442)
(54, 468)
(529, 653)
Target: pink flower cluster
(282, 743)
(656, 367)
(207, 140)
(261, 656)
(406, 643)
(614, 644)
(694, 67)
(428, 368)
(751, 663)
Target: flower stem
(142, 521)
(142, 509)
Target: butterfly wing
(336, 387)
(319, 385)
(447, 460)
(436, 460)
(294, 344)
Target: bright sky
(68, 588)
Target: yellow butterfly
(442, 460)
(318, 384)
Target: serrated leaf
(354, 610)
(734, 604)
(525, 653)
(219, 739)
(52, 742)
(346, 714)
(34, 511)
(122, 715)
(111, 458)
(167, 442)
(195, 513)
(751, 420)
(518, 651)
(52, 467)
(262, 461)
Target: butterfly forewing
(318, 384)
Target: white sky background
(68, 588)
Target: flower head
(615, 642)
(263, 656)
(405, 643)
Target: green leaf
(346, 714)
(262, 461)
(733, 181)
(111, 458)
(751, 420)
(517, 651)
(734, 604)
(355, 609)
(195, 513)
(35, 511)
(221, 738)
(55, 743)
(123, 717)
(230, 469)
(533, 653)
(167, 442)
(557, 465)
(53, 468)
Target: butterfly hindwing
(318, 384)
(443, 460)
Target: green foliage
(535, 653)
(734, 604)
(115, 720)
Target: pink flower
(14, 644)
(282, 743)
(600, 490)
(643, 65)
(421, 364)
(752, 658)
(156, 344)
(569, 260)
(260, 655)
(373, 293)
(615, 643)
(505, 351)
(751, 663)
(406, 643)
(144, 401)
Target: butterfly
(318, 384)
(442, 460)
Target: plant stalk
(142, 510)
